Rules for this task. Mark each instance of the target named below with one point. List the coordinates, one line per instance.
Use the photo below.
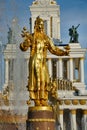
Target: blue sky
(72, 12)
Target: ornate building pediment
(44, 2)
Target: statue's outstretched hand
(27, 39)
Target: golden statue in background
(39, 43)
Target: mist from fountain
(1, 66)
(19, 94)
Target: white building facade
(67, 70)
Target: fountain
(14, 108)
(17, 69)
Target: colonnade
(59, 69)
(70, 69)
(73, 122)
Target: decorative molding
(85, 112)
(61, 112)
(39, 108)
(67, 102)
(75, 102)
(73, 111)
(44, 2)
(82, 58)
(82, 102)
(41, 120)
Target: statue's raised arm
(77, 26)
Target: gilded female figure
(39, 43)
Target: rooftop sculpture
(73, 34)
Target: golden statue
(39, 43)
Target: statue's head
(39, 24)
(72, 26)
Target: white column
(57, 68)
(33, 21)
(82, 69)
(68, 69)
(71, 69)
(48, 27)
(50, 66)
(61, 119)
(73, 120)
(60, 68)
(84, 122)
(6, 71)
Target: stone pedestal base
(40, 118)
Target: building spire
(49, 11)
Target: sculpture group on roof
(73, 34)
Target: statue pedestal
(40, 118)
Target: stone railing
(64, 84)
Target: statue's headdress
(38, 20)
(39, 25)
